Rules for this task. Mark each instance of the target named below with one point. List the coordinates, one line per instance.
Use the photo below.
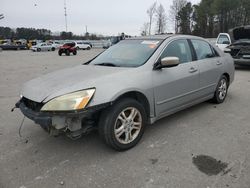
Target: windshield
(127, 53)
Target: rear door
(176, 86)
(210, 66)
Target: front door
(176, 87)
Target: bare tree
(145, 29)
(151, 12)
(160, 19)
(1, 16)
(174, 10)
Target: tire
(77, 48)
(221, 90)
(88, 48)
(53, 49)
(59, 53)
(116, 118)
(67, 53)
(38, 49)
(74, 52)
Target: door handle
(218, 63)
(192, 70)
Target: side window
(180, 49)
(203, 49)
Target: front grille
(35, 106)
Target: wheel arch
(138, 96)
(227, 76)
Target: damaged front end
(240, 48)
(72, 123)
(240, 51)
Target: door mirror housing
(167, 62)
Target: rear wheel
(39, 49)
(53, 49)
(74, 52)
(88, 48)
(122, 125)
(221, 90)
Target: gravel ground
(204, 146)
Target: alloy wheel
(222, 90)
(128, 125)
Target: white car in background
(223, 40)
(56, 44)
(82, 45)
(43, 47)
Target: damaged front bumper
(73, 123)
(38, 117)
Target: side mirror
(167, 62)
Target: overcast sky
(108, 17)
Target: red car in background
(67, 49)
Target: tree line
(42, 34)
(206, 19)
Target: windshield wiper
(107, 64)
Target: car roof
(163, 37)
(151, 37)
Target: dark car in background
(13, 47)
(240, 46)
(67, 49)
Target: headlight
(73, 101)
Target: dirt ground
(204, 146)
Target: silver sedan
(133, 83)
(43, 47)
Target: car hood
(240, 43)
(61, 82)
(240, 33)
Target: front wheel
(122, 125)
(221, 90)
(74, 52)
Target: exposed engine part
(73, 127)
